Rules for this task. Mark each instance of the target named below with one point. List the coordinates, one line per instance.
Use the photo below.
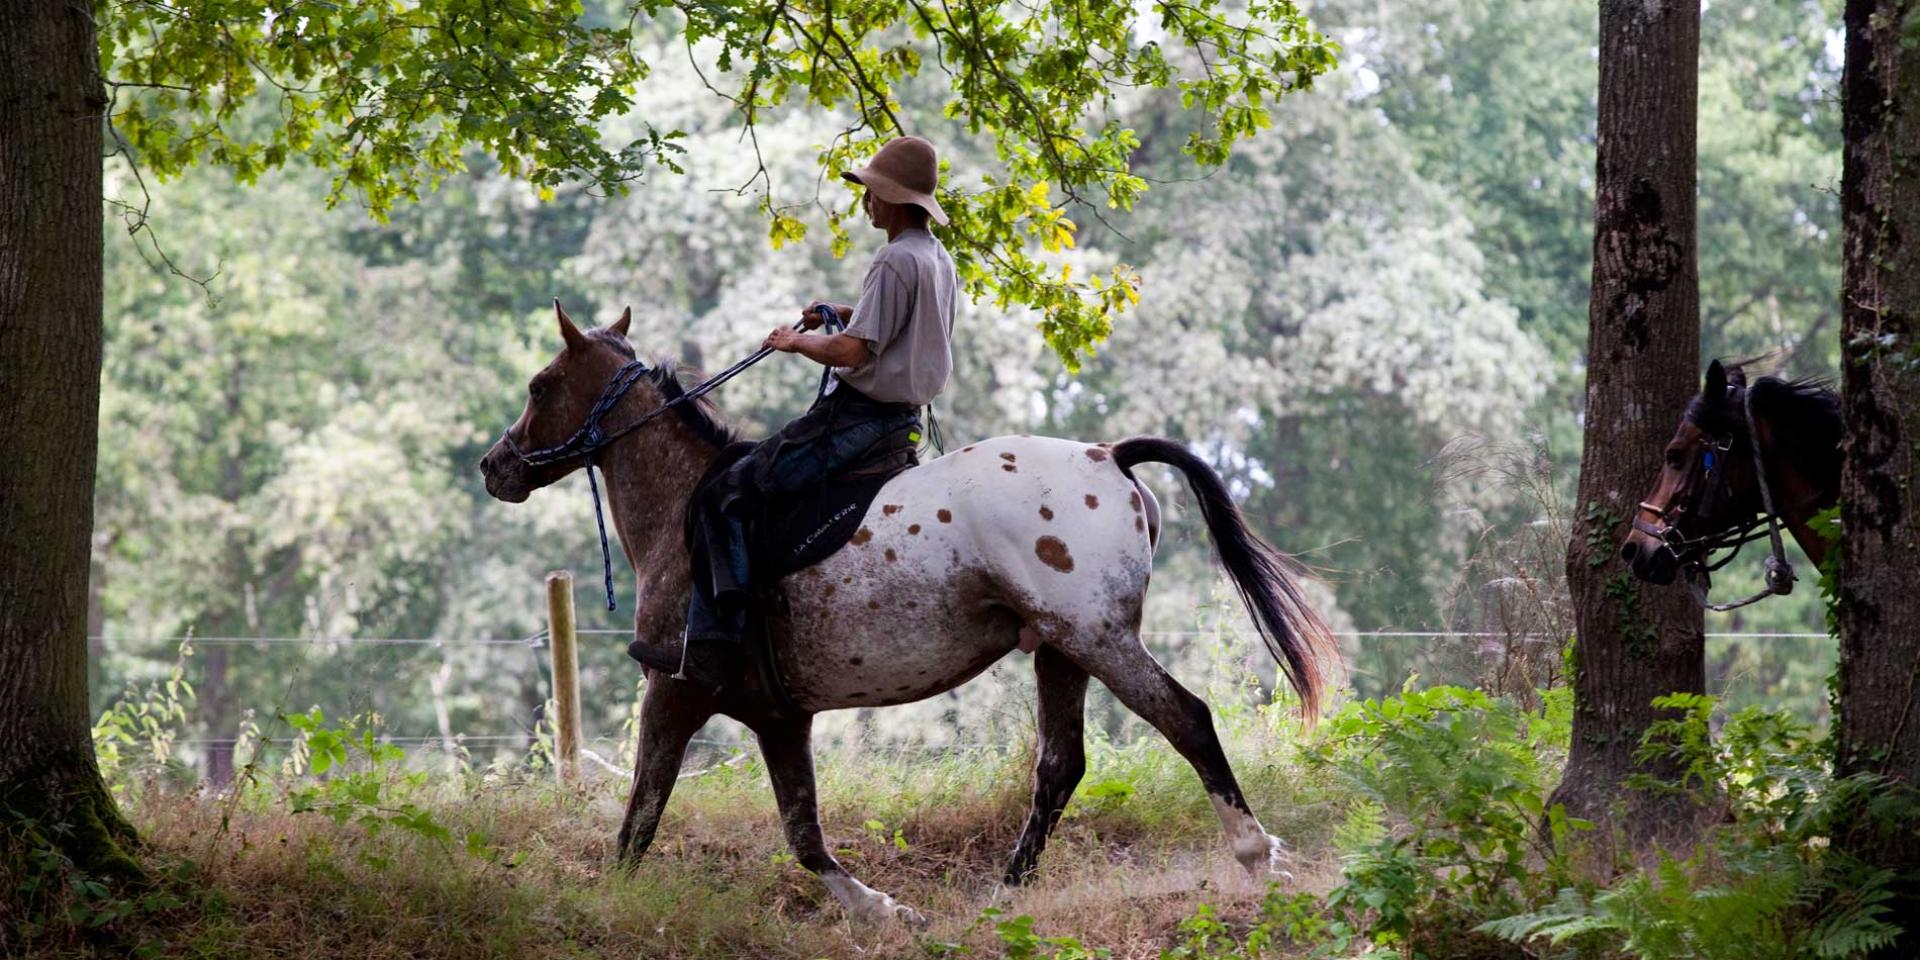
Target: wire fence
(537, 643)
(538, 640)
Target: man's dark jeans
(833, 435)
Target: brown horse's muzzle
(506, 474)
(1650, 560)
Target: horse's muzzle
(1649, 559)
(505, 475)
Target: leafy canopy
(391, 95)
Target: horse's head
(1706, 486)
(559, 399)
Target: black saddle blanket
(795, 532)
(803, 531)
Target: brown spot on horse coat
(1139, 524)
(890, 509)
(828, 592)
(861, 536)
(1010, 468)
(966, 449)
(1096, 454)
(855, 661)
(1046, 512)
(1052, 551)
(891, 556)
(1093, 502)
(1134, 499)
(913, 529)
(1008, 457)
(873, 604)
(945, 515)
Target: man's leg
(781, 465)
(712, 651)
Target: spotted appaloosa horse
(1027, 543)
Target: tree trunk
(1876, 731)
(216, 708)
(1634, 641)
(51, 103)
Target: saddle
(789, 534)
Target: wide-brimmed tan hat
(904, 171)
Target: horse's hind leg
(787, 745)
(670, 714)
(1146, 688)
(1062, 757)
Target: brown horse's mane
(1804, 412)
(700, 416)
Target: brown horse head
(1707, 495)
(558, 400)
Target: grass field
(478, 865)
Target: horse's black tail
(1266, 578)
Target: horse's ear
(1715, 389)
(568, 332)
(620, 325)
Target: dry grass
(1119, 874)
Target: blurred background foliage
(1370, 320)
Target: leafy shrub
(151, 716)
(356, 778)
(1449, 822)
(1763, 885)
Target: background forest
(1371, 322)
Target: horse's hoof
(881, 909)
(1271, 862)
(911, 917)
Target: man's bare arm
(834, 350)
(812, 318)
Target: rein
(591, 437)
(1778, 575)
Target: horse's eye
(1676, 458)
(535, 389)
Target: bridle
(1694, 554)
(591, 436)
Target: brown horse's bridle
(1694, 554)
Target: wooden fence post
(566, 675)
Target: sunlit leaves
(390, 97)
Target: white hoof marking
(1257, 850)
(866, 905)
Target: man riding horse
(892, 358)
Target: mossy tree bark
(51, 115)
(1876, 730)
(1634, 641)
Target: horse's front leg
(788, 747)
(670, 714)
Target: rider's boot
(713, 654)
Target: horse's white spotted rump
(955, 557)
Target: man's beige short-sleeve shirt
(905, 315)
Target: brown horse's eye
(535, 389)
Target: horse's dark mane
(701, 416)
(1804, 412)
